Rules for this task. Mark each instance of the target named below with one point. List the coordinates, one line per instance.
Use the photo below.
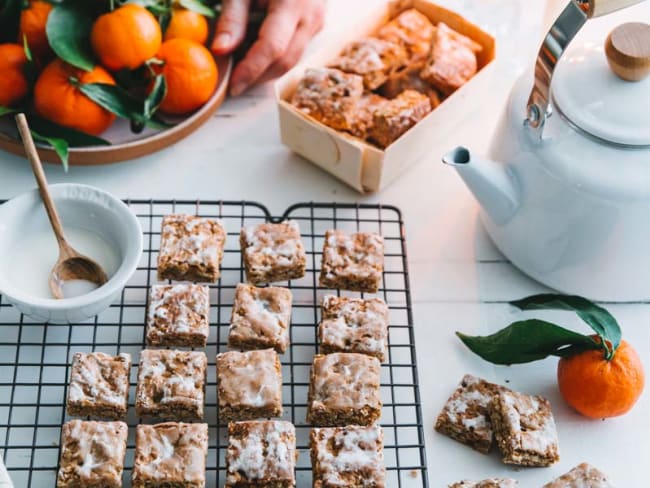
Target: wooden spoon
(70, 265)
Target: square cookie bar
(92, 454)
(489, 483)
(465, 416)
(330, 96)
(452, 61)
(373, 59)
(583, 475)
(398, 115)
(178, 315)
(191, 248)
(99, 385)
(249, 385)
(524, 429)
(344, 389)
(261, 454)
(352, 261)
(348, 456)
(273, 252)
(170, 455)
(354, 325)
(260, 318)
(413, 31)
(171, 384)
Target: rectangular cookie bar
(99, 385)
(465, 416)
(261, 454)
(363, 117)
(397, 116)
(171, 384)
(352, 261)
(92, 454)
(524, 429)
(330, 96)
(249, 385)
(273, 252)
(344, 389)
(191, 248)
(371, 58)
(348, 456)
(409, 80)
(452, 61)
(178, 315)
(412, 30)
(489, 483)
(583, 475)
(354, 325)
(260, 318)
(170, 455)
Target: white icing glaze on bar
(269, 246)
(192, 239)
(582, 476)
(249, 378)
(99, 378)
(179, 308)
(360, 255)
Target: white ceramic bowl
(83, 207)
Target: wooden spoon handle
(39, 174)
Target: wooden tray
(125, 144)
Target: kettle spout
(490, 182)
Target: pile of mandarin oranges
(128, 38)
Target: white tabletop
(459, 280)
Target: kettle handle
(561, 33)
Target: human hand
(283, 36)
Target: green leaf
(197, 6)
(155, 97)
(599, 319)
(527, 341)
(27, 50)
(31, 69)
(156, 7)
(7, 110)
(73, 137)
(59, 145)
(68, 32)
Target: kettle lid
(605, 90)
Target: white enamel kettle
(565, 192)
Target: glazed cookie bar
(273, 252)
(170, 455)
(343, 390)
(412, 30)
(191, 248)
(178, 315)
(330, 96)
(249, 385)
(373, 59)
(465, 416)
(261, 454)
(348, 456)
(352, 261)
(171, 384)
(583, 475)
(524, 429)
(452, 61)
(354, 325)
(397, 116)
(363, 118)
(489, 483)
(260, 318)
(92, 454)
(409, 80)
(99, 385)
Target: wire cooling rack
(35, 357)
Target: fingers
(291, 56)
(231, 26)
(273, 41)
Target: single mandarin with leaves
(598, 387)
(126, 37)
(33, 20)
(57, 97)
(13, 82)
(190, 73)
(187, 24)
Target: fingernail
(238, 88)
(223, 40)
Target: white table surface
(459, 280)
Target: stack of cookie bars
(344, 401)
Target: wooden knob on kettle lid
(628, 51)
